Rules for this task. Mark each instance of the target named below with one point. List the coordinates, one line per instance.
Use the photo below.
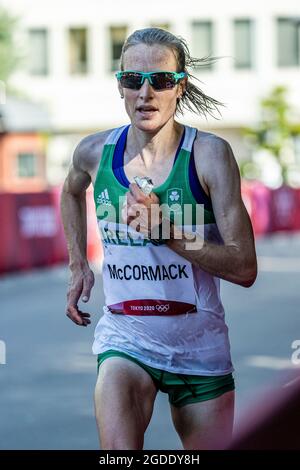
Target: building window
(243, 30)
(27, 165)
(38, 52)
(288, 40)
(202, 41)
(117, 35)
(78, 51)
(165, 26)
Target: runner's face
(145, 58)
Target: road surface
(48, 380)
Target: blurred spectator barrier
(284, 209)
(272, 210)
(32, 234)
(257, 199)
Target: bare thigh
(124, 400)
(205, 425)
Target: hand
(80, 285)
(141, 212)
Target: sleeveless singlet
(159, 308)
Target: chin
(148, 125)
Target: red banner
(32, 233)
(284, 209)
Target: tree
(9, 58)
(275, 131)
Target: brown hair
(193, 99)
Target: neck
(155, 146)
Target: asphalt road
(47, 383)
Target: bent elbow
(248, 283)
(249, 277)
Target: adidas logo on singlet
(103, 198)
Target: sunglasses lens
(163, 81)
(131, 80)
(159, 80)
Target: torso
(158, 173)
(133, 167)
(185, 343)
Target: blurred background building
(57, 64)
(70, 52)
(22, 146)
(57, 84)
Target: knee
(120, 424)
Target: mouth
(147, 111)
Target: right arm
(73, 212)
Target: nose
(146, 90)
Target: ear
(182, 87)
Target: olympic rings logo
(162, 308)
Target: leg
(205, 425)
(124, 400)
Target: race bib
(143, 279)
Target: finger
(74, 293)
(154, 198)
(83, 314)
(74, 315)
(135, 224)
(88, 283)
(130, 199)
(79, 321)
(134, 211)
(126, 218)
(85, 318)
(74, 319)
(136, 192)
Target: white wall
(92, 102)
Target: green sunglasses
(158, 80)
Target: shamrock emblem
(174, 196)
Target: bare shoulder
(214, 158)
(88, 152)
(212, 147)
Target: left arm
(235, 261)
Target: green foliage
(274, 129)
(9, 58)
(250, 170)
